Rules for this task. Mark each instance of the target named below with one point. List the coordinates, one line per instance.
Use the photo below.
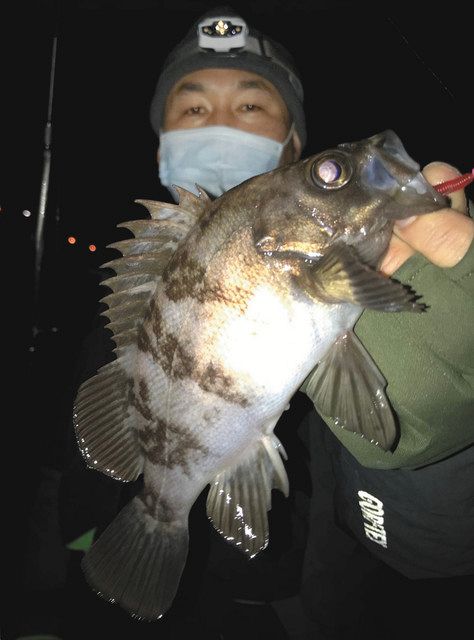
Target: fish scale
(220, 311)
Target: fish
(220, 309)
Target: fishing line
(420, 58)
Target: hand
(442, 237)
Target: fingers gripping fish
(220, 310)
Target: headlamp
(222, 34)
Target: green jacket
(428, 362)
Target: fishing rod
(43, 198)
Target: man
(204, 95)
(224, 114)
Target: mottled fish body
(219, 311)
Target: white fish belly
(242, 370)
(273, 346)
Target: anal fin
(239, 497)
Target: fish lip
(420, 184)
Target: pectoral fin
(340, 276)
(239, 498)
(348, 387)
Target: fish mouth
(389, 168)
(405, 170)
(421, 185)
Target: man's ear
(295, 139)
(292, 150)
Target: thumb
(437, 172)
(442, 237)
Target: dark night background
(364, 69)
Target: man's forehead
(210, 79)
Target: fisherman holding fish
(392, 469)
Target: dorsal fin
(166, 211)
(189, 205)
(142, 246)
(144, 258)
(191, 202)
(152, 263)
(126, 282)
(157, 228)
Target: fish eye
(331, 171)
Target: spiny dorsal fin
(157, 228)
(191, 202)
(153, 263)
(125, 282)
(138, 246)
(166, 211)
(144, 258)
(138, 294)
(189, 205)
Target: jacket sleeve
(428, 362)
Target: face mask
(215, 158)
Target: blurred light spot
(26, 213)
(72, 240)
(92, 247)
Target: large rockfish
(220, 310)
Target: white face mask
(216, 158)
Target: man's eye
(194, 111)
(251, 107)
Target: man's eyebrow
(254, 84)
(198, 87)
(189, 86)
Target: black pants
(347, 592)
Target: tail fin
(138, 561)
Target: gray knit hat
(222, 39)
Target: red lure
(449, 186)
